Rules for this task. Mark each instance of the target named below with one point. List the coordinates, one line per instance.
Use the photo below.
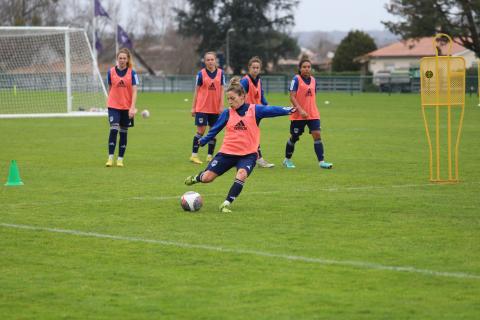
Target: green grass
(43, 101)
(375, 208)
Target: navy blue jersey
(212, 75)
(260, 113)
(244, 83)
(294, 83)
(122, 73)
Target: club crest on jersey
(308, 93)
(211, 86)
(121, 84)
(240, 126)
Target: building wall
(404, 63)
(390, 64)
(470, 58)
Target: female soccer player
(240, 143)
(122, 97)
(302, 95)
(207, 103)
(252, 84)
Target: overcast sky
(342, 15)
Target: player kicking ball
(240, 143)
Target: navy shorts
(222, 162)
(297, 127)
(205, 119)
(120, 117)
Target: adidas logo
(211, 86)
(309, 93)
(121, 84)
(240, 126)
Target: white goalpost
(49, 72)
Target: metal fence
(281, 83)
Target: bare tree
(32, 12)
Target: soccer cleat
(195, 160)
(262, 163)
(287, 163)
(325, 165)
(209, 158)
(109, 163)
(190, 180)
(225, 208)
(120, 163)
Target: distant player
(302, 95)
(207, 103)
(252, 84)
(122, 96)
(240, 143)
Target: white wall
(470, 58)
(381, 64)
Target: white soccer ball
(191, 201)
(186, 100)
(327, 102)
(145, 113)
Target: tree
(23, 12)
(259, 28)
(355, 44)
(458, 18)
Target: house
(406, 55)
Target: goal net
(48, 71)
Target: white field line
(321, 261)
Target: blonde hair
(210, 52)
(235, 86)
(129, 56)
(253, 60)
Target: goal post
(49, 72)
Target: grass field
(370, 239)
(44, 101)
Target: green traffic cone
(14, 175)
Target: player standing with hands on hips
(302, 95)
(122, 96)
(240, 143)
(207, 103)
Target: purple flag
(123, 38)
(98, 43)
(99, 11)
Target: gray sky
(342, 15)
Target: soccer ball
(145, 113)
(191, 201)
(327, 102)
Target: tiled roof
(413, 48)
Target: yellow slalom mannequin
(443, 92)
